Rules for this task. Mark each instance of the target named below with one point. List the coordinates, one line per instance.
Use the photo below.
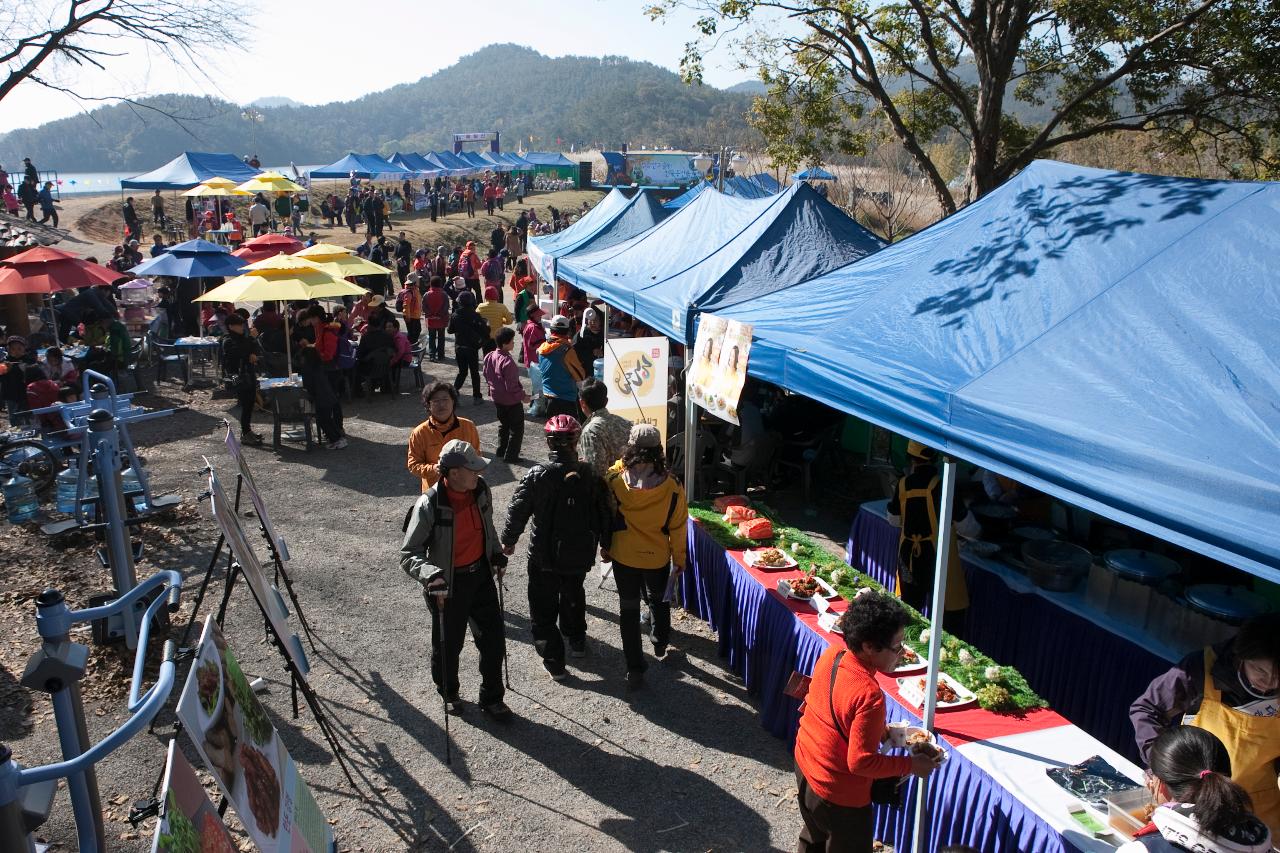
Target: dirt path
(681, 765)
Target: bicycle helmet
(562, 425)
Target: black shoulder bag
(884, 792)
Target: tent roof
(369, 166)
(452, 161)
(190, 168)
(415, 162)
(548, 158)
(614, 220)
(1107, 337)
(817, 173)
(755, 186)
(718, 251)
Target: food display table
(992, 793)
(1090, 667)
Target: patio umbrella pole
(288, 347)
(920, 825)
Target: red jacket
(840, 764)
(327, 343)
(435, 308)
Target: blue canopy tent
(192, 259)
(497, 161)
(475, 160)
(453, 162)
(517, 162)
(1106, 337)
(414, 162)
(368, 166)
(190, 168)
(446, 170)
(755, 186)
(614, 220)
(817, 173)
(719, 251)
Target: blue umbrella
(192, 259)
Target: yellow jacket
(426, 440)
(644, 544)
(497, 314)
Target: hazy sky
(385, 43)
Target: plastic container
(1125, 810)
(20, 501)
(66, 491)
(133, 489)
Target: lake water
(79, 183)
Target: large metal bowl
(1056, 565)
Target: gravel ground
(682, 764)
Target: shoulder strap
(671, 510)
(831, 693)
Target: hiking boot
(453, 706)
(338, 445)
(556, 670)
(635, 679)
(578, 648)
(250, 438)
(660, 651)
(499, 711)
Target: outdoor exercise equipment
(26, 794)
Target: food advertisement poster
(189, 823)
(233, 447)
(263, 590)
(635, 370)
(652, 170)
(243, 750)
(706, 355)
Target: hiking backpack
(572, 538)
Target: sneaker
(453, 706)
(635, 679)
(558, 675)
(338, 445)
(251, 438)
(578, 648)
(499, 711)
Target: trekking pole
(444, 678)
(502, 609)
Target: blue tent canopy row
(415, 162)
(190, 168)
(755, 186)
(718, 251)
(614, 220)
(1106, 337)
(368, 166)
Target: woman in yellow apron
(914, 510)
(1233, 691)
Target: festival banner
(635, 370)
(268, 597)
(189, 822)
(723, 390)
(244, 752)
(233, 447)
(653, 170)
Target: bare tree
(38, 37)
(888, 193)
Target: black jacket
(469, 329)
(236, 350)
(535, 498)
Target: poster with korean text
(189, 822)
(635, 369)
(706, 355)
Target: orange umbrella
(46, 270)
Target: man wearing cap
(451, 548)
(561, 369)
(914, 508)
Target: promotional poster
(244, 752)
(635, 369)
(719, 371)
(189, 822)
(233, 447)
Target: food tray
(898, 734)
(784, 589)
(749, 557)
(908, 689)
(921, 664)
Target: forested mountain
(583, 101)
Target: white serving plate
(749, 558)
(908, 690)
(827, 590)
(921, 664)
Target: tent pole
(690, 440)
(288, 346)
(920, 828)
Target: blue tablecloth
(765, 643)
(1086, 672)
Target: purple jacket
(503, 376)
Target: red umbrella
(45, 270)
(267, 246)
